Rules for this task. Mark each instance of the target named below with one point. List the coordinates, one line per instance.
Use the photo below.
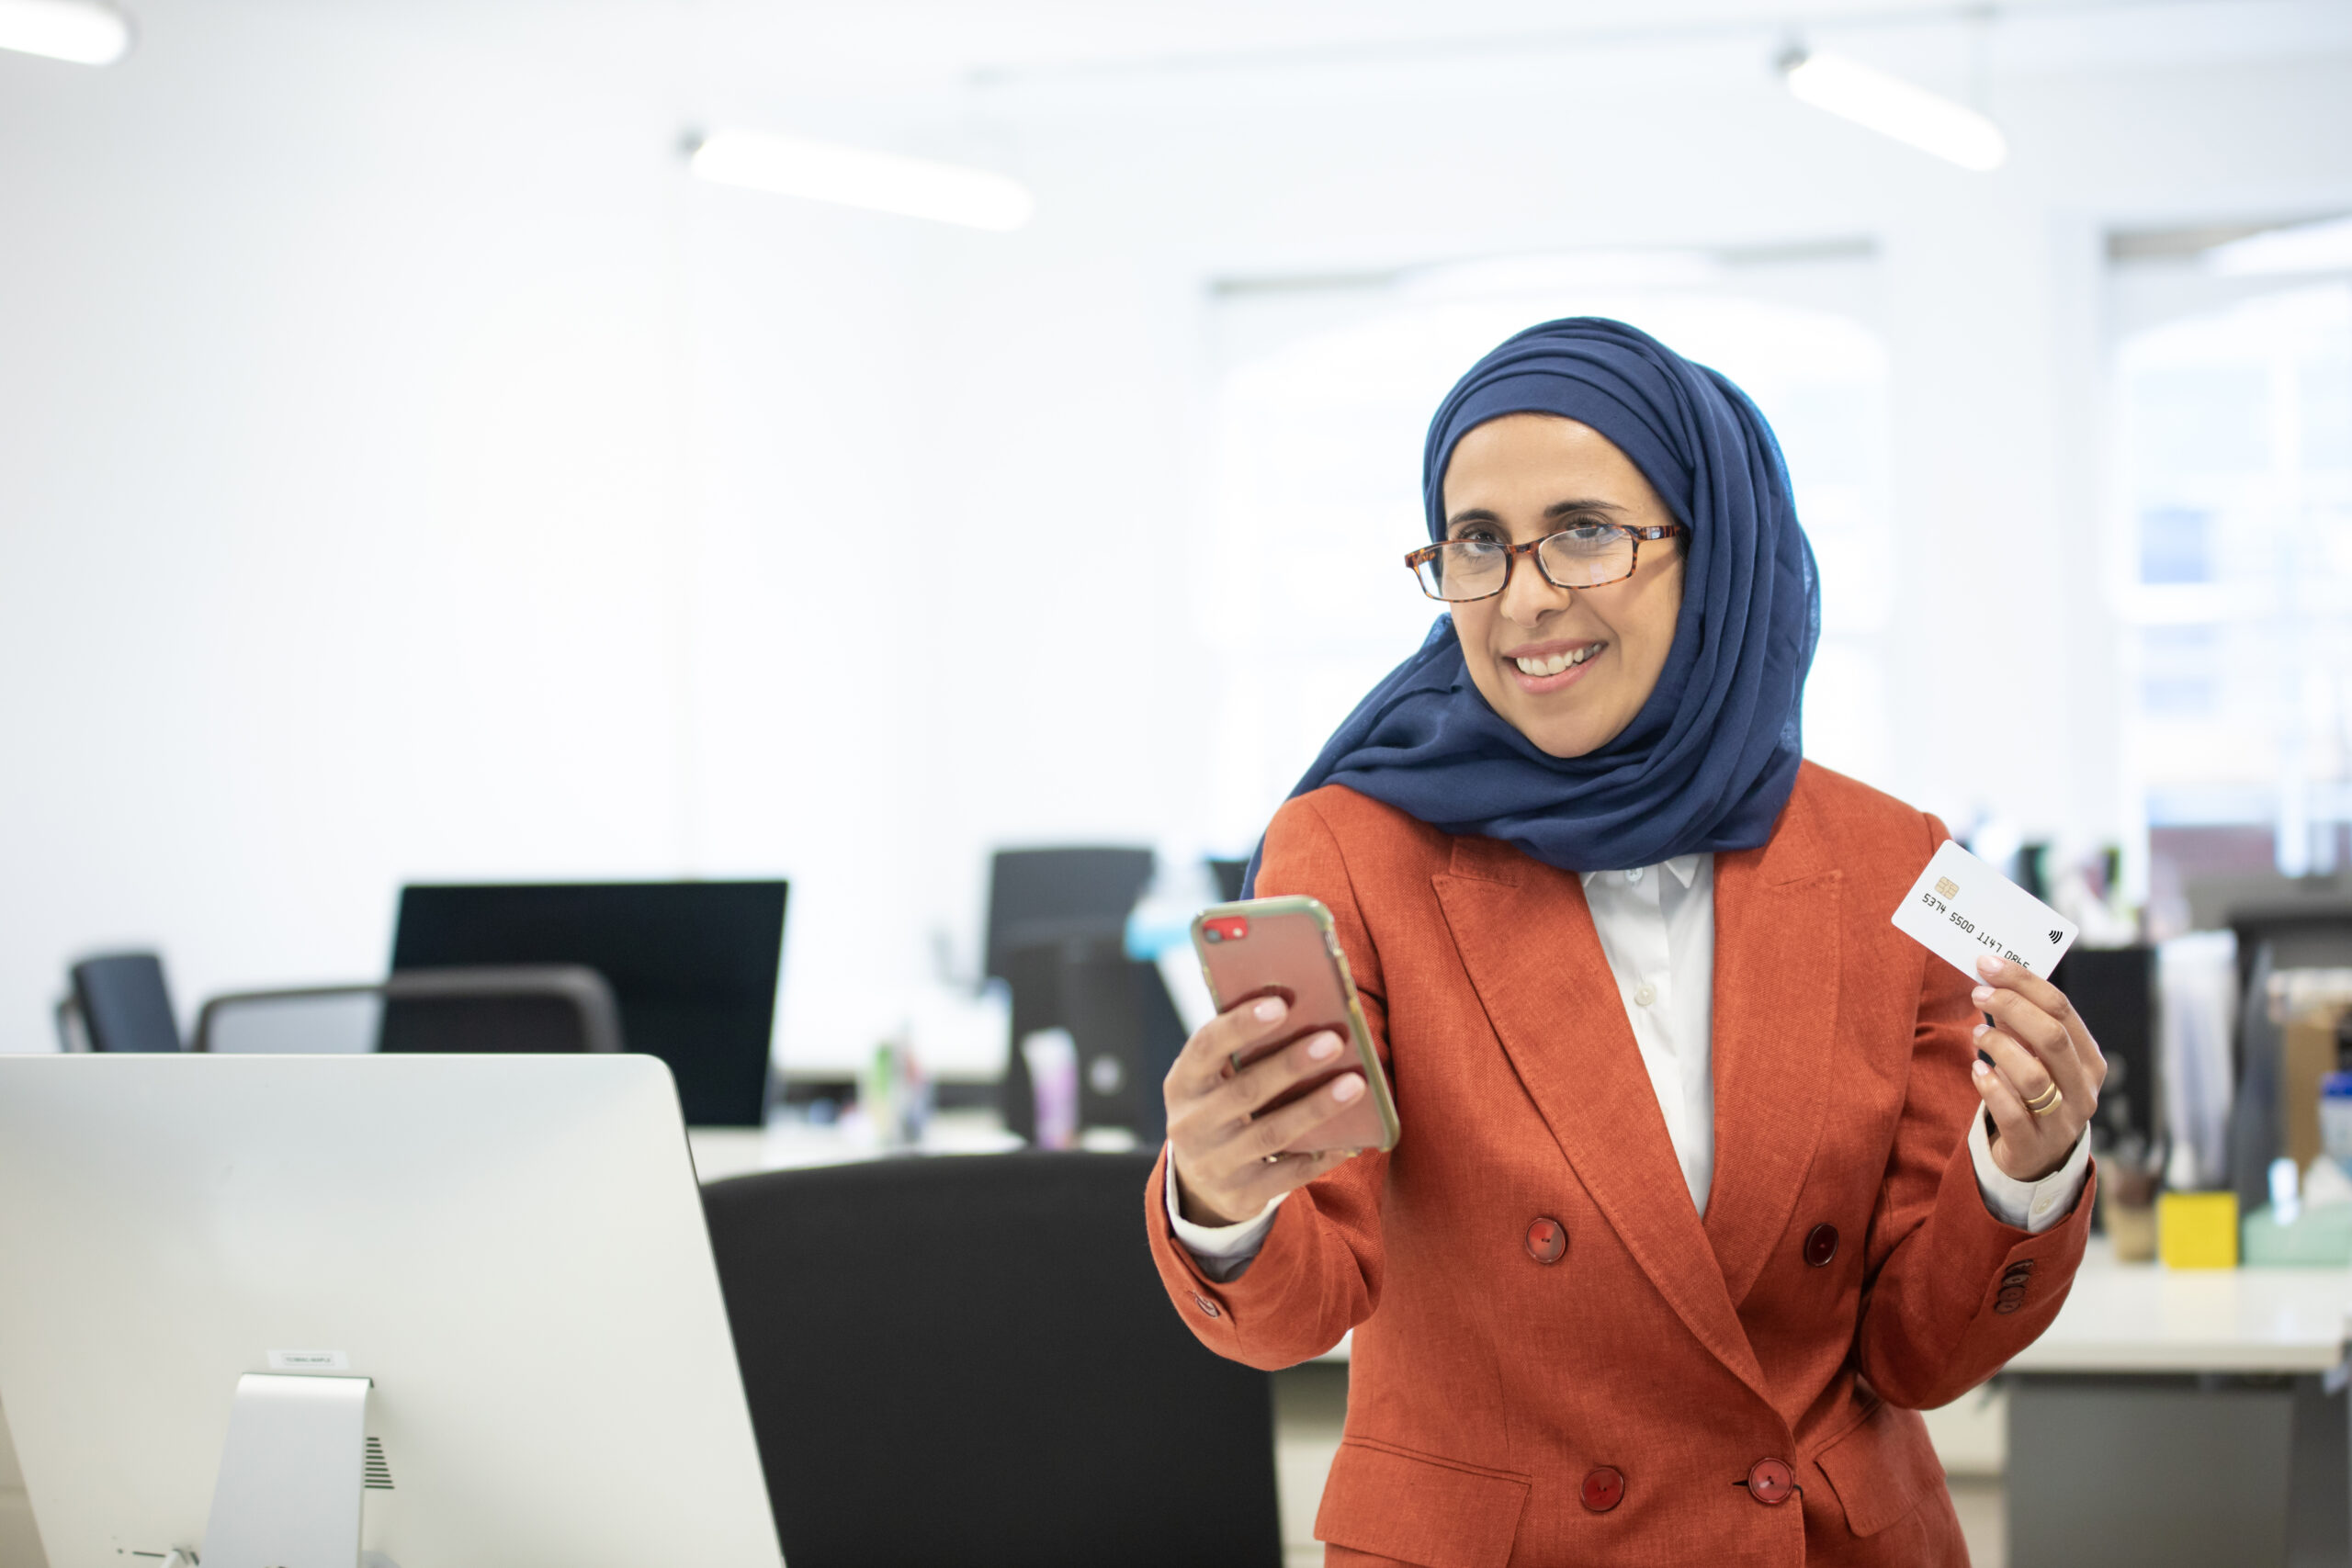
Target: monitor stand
(292, 1473)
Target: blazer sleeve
(1318, 1273)
(1952, 1293)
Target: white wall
(405, 471)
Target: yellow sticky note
(2198, 1230)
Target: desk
(2186, 1417)
(2143, 1317)
(721, 1152)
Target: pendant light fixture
(1892, 107)
(82, 31)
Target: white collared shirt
(1656, 926)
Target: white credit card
(1961, 909)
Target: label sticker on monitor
(308, 1361)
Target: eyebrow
(1557, 510)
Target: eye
(1479, 534)
(1589, 531)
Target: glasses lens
(1587, 555)
(1466, 568)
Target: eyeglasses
(1587, 555)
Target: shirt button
(2041, 1207)
(1644, 994)
(1634, 875)
(1206, 1306)
(1770, 1482)
(1547, 1239)
(1604, 1489)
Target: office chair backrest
(1037, 896)
(969, 1361)
(482, 1009)
(520, 1007)
(125, 1003)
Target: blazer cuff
(2030, 1206)
(1222, 1252)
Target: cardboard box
(2306, 1054)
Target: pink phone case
(1288, 947)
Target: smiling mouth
(1552, 664)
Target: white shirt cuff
(1222, 1251)
(2030, 1206)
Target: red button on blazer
(1603, 1490)
(1546, 1240)
(1821, 1245)
(1770, 1482)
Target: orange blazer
(1629, 1400)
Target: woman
(1702, 1190)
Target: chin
(1561, 740)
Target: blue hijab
(1709, 762)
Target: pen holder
(2198, 1230)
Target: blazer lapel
(1775, 1033)
(1525, 937)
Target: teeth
(1557, 661)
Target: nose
(1528, 596)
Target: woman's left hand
(2040, 1045)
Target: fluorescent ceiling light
(857, 176)
(2324, 246)
(1892, 107)
(78, 31)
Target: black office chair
(967, 1362)
(119, 1002)
(487, 1008)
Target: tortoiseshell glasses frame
(1588, 555)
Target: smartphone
(1288, 948)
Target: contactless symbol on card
(1994, 915)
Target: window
(2237, 483)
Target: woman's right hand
(1225, 1157)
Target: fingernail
(1323, 1047)
(1981, 994)
(1988, 965)
(1980, 1070)
(1982, 1031)
(1269, 1009)
(1347, 1088)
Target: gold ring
(2050, 1102)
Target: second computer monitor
(693, 966)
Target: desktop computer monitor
(692, 965)
(511, 1247)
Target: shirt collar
(1685, 867)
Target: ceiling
(844, 46)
